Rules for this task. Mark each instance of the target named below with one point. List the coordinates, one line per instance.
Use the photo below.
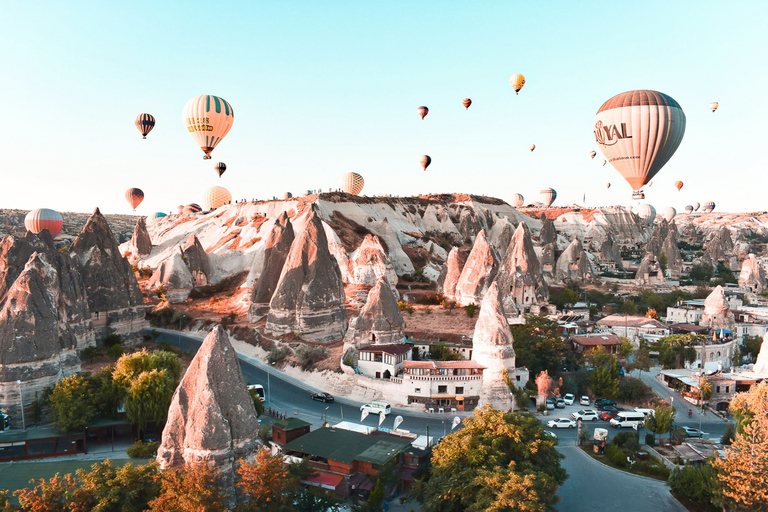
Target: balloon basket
(638, 194)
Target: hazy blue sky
(323, 88)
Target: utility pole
(21, 403)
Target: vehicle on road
(569, 398)
(560, 403)
(550, 404)
(694, 432)
(561, 423)
(376, 407)
(550, 433)
(322, 397)
(648, 412)
(628, 419)
(584, 400)
(585, 415)
(601, 403)
(608, 415)
(259, 390)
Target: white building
(633, 327)
(446, 384)
(382, 361)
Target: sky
(324, 88)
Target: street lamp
(325, 415)
(21, 403)
(269, 387)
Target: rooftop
(443, 364)
(346, 446)
(597, 339)
(291, 424)
(393, 349)
(631, 321)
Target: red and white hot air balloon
(638, 132)
(467, 102)
(44, 218)
(423, 111)
(134, 196)
(425, 160)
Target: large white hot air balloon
(352, 183)
(517, 200)
(668, 213)
(215, 197)
(548, 196)
(638, 132)
(696, 206)
(647, 213)
(208, 119)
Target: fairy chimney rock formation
(520, 279)
(37, 345)
(610, 253)
(173, 275)
(500, 235)
(197, 261)
(717, 315)
(370, 262)
(141, 242)
(492, 347)
(752, 276)
(478, 273)
(380, 320)
(761, 365)
(212, 419)
(276, 249)
(309, 296)
(574, 264)
(449, 275)
(719, 247)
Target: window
(417, 390)
(727, 389)
(442, 389)
(459, 390)
(717, 389)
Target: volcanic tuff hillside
(12, 223)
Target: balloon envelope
(689, 209)
(287, 195)
(215, 197)
(607, 185)
(517, 200)
(134, 196)
(44, 218)
(352, 183)
(145, 123)
(679, 185)
(533, 146)
(192, 208)
(467, 102)
(713, 105)
(709, 206)
(592, 154)
(423, 111)
(548, 196)
(425, 160)
(668, 213)
(647, 213)
(220, 168)
(638, 132)
(208, 119)
(517, 82)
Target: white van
(646, 412)
(376, 407)
(259, 390)
(628, 419)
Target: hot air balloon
(156, 215)
(650, 183)
(467, 102)
(548, 196)
(145, 123)
(191, 208)
(689, 209)
(43, 218)
(425, 160)
(605, 162)
(352, 183)
(517, 200)
(220, 168)
(134, 196)
(533, 146)
(696, 206)
(592, 154)
(215, 197)
(709, 206)
(678, 185)
(607, 185)
(287, 195)
(423, 111)
(713, 105)
(517, 82)
(668, 213)
(647, 213)
(638, 132)
(208, 119)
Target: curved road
(291, 396)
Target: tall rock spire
(478, 272)
(520, 279)
(276, 249)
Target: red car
(608, 415)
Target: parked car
(569, 398)
(322, 397)
(561, 423)
(608, 415)
(693, 432)
(550, 434)
(600, 403)
(560, 403)
(584, 400)
(585, 415)
(550, 404)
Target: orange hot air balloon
(592, 154)
(352, 183)
(425, 160)
(423, 111)
(467, 102)
(517, 82)
(43, 218)
(679, 185)
(638, 132)
(145, 123)
(533, 146)
(134, 196)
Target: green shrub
(629, 441)
(89, 354)
(470, 310)
(695, 483)
(404, 306)
(616, 455)
(310, 356)
(650, 468)
(115, 351)
(349, 362)
(112, 340)
(277, 354)
(728, 434)
(650, 439)
(431, 299)
(139, 450)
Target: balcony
(434, 378)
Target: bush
(470, 310)
(629, 441)
(139, 450)
(616, 455)
(650, 468)
(633, 390)
(431, 300)
(404, 306)
(89, 354)
(161, 291)
(349, 362)
(678, 435)
(694, 483)
(145, 272)
(310, 356)
(277, 354)
(115, 351)
(650, 439)
(728, 434)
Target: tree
(678, 349)
(71, 404)
(258, 404)
(662, 419)
(604, 380)
(498, 461)
(539, 345)
(705, 390)
(266, 482)
(702, 272)
(742, 472)
(628, 307)
(750, 345)
(60, 493)
(441, 352)
(128, 488)
(663, 261)
(375, 498)
(642, 359)
(107, 395)
(192, 488)
(725, 273)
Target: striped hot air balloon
(713, 105)
(208, 119)
(220, 168)
(134, 196)
(517, 200)
(423, 111)
(709, 206)
(215, 197)
(44, 218)
(191, 208)
(678, 185)
(145, 123)
(352, 183)
(689, 209)
(467, 102)
(425, 160)
(548, 196)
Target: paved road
(594, 487)
(291, 396)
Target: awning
(325, 480)
(442, 396)
(361, 482)
(460, 397)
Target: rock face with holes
(309, 296)
(197, 261)
(574, 265)
(719, 247)
(114, 296)
(717, 315)
(610, 253)
(37, 344)
(492, 347)
(276, 249)
(380, 320)
(478, 272)
(370, 262)
(752, 276)
(520, 279)
(212, 419)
